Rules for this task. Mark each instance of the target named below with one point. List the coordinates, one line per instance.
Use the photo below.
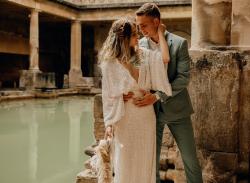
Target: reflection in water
(42, 141)
(33, 139)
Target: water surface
(43, 140)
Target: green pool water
(43, 140)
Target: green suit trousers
(182, 132)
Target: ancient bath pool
(43, 140)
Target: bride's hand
(128, 96)
(161, 29)
(147, 99)
(108, 132)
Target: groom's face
(148, 25)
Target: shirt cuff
(157, 96)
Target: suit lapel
(169, 39)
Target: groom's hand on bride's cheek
(128, 96)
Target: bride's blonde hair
(117, 44)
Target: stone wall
(215, 90)
(224, 122)
(14, 30)
(221, 124)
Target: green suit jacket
(177, 106)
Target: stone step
(87, 164)
(174, 175)
(86, 177)
(90, 150)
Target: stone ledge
(86, 177)
(81, 6)
(52, 93)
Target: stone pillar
(211, 21)
(34, 40)
(34, 78)
(75, 73)
(28, 77)
(240, 24)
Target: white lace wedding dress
(134, 127)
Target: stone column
(75, 73)
(240, 24)
(211, 21)
(28, 78)
(34, 40)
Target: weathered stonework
(98, 116)
(244, 117)
(211, 23)
(216, 92)
(214, 89)
(86, 177)
(240, 23)
(221, 122)
(31, 79)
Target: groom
(175, 111)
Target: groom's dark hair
(149, 9)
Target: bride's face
(134, 38)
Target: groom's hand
(147, 99)
(128, 96)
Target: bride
(127, 69)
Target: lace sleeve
(156, 71)
(114, 84)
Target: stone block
(99, 127)
(76, 79)
(45, 80)
(98, 113)
(214, 91)
(65, 81)
(99, 130)
(211, 23)
(180, 176)
(86, 177)
(167, 139)
(90, 151)
(89, 81)
(240, 23)
(171, 155)
(30, 79)
(163, 162)
(173, 175)
(178, 161)
(87, 164)
(219, 166)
